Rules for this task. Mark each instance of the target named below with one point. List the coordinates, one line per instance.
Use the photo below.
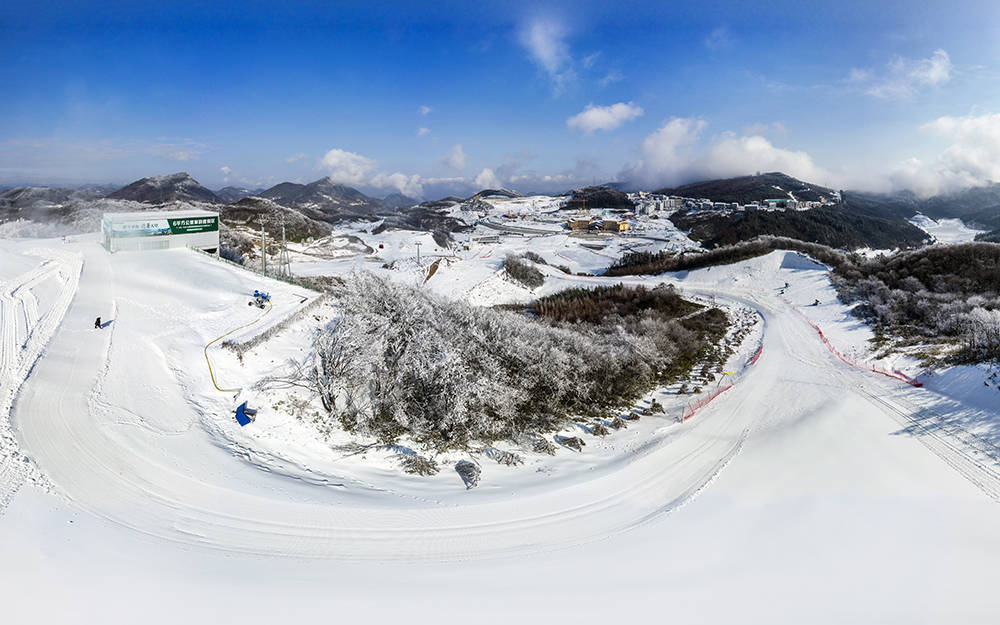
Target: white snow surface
(945, 230)
(811, 491)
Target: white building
(159, 230)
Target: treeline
(522, 272)
(598, 304)
(646, 263)
(402, 361)
(989, 237)
(840, 226)
(941, 293)
(936, 294)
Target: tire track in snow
(952, 446)
(17, 357)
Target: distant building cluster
(650, 203)
(600, 225)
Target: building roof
(181, 214)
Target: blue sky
(447, 97)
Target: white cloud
(670, 156)
(295, 157)
(604, 117)
(718, 39)
(226, 170)
(739, 156)
(972, 158)
(421, 132)
(347, 167)
(666, 154)
(544, 40)
(903, 78)
(184, 150)
(410, 186)
(488, 180)
(610, 78)
(425, 110)
(455, 159)
(776, 128)
(588, 61)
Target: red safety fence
(698, 404)
(756, 354)
(892, 374)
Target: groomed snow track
(144, 478)
(24, 334)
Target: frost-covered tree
(404, 361)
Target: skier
(97, 324)
(816, 303)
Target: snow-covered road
(800, 418)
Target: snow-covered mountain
(249, 210)
(398, 200)
(234, 194)
(335, 202)
(159, 189)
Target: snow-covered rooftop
(181, 214)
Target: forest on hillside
(403, 362)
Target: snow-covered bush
(941, 294)
(469, 472)
(402, 361)
(232, 255)
(572, 442)
(535, 258)
(599, 429)
(417, 465)
(500, 456)
(522, 272)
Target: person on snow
(97, 324)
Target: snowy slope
(945, 230)
(804, 484)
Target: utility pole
(418, 244)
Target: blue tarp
(244, 415)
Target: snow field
(945, 230)
(32, 305)
(806, 483)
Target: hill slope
(835, 226)
(179, 187)
(329, 201)
(747, 189)
(234, 194)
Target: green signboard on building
(189, 225)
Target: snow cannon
(260, 299)
(244, 415)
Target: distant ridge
(326, 199)
(179, 187)
(749, 189)
(234, 194)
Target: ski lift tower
(284, 264)
(263, 246)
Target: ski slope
(945, 230)
(32, 305)
(805, 483)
